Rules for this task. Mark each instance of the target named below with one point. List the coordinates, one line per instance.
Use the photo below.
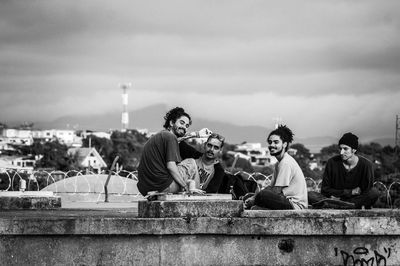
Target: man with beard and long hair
(161, 167)
(288, 189)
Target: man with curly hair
(161, 167)
(288, 189)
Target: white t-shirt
(206, 172)
(288, 175)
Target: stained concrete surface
(182, 208)
(112, 234)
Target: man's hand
(356, 191)
(249, 202)
(204, 133)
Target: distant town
(26, 149)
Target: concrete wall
(89, 237)
(196, 250)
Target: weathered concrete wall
(313, 237)
(205, 208)
(197, 250)
(11, 200)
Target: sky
(323, 67)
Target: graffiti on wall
(364, 257)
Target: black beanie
(350, 140)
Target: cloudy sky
(324, 67)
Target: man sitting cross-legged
(161, 167)
(347, 181)
(288, 189)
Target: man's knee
(188, 161)
(187, 168)
(262, 197)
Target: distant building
(17, 136)
(18, 163)
(143, 131)
(99, 134)
(258, 155)
(88, 158)
(64, 136)
(5, 145)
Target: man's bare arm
(202, 133)
(173, 169)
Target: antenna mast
(125, 115)
(397, 135)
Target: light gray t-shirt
(288, 175)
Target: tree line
(129, 145)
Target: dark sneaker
(249, 202)
(333, 204)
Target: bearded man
(161, 168)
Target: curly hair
(173, 115)
(284, 133)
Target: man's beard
(179, 131)
(277, 152)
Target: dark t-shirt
(153, 174)
(338, 182)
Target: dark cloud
(56, 50)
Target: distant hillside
(234, 134)
(152, 118)
(315, 144)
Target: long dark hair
(173, 115)
(284, 133)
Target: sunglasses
(216, 136)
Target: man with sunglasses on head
(211, 172)
(161, 167)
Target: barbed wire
(37, 180)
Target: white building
(64, 136)
(99, 134)
(259, 156)
(17, 163)
(17, 136)
(88, 158)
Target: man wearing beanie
(348, 179)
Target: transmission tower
(397, 136)
(125, 115)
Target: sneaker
(333, 204)
(248, 203)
